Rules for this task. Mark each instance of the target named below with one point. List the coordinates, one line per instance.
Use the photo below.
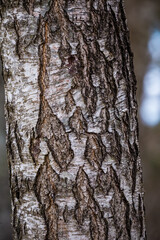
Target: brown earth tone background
(144, 16)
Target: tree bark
(71, 120)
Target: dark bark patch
(19, 142)
(69, 101)
(78, 123)
(95, 150)
(140, 212)
(88, 90)
(17, 225)
(103, 182)
(46, 189)
(65, 214)
(52, 130)
(104, 115)
(87, 206)
(34, 148)
(134, 152)
(18, 44)
(10, 147)
(29, 5)
(120, 208)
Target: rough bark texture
(75, 170)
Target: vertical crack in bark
(104, 114)
(17, 224)
(83, 53)
(18, 44)
(45, 189)
(78, 123)
(87, 206)
(34, 147)
(134, 153)
(69, 101)
(65, 214)
(52, 131)
(19, 142)
(19, 187)
(95, 150)
(9, 144)
(120, 209)
(49, 127)
(123, 215)
(88, 90)
(29, 5)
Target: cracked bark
(71, 120)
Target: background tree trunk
(75, 170)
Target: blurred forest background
(144, 25)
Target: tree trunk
(71, 120)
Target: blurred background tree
(144, 22)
